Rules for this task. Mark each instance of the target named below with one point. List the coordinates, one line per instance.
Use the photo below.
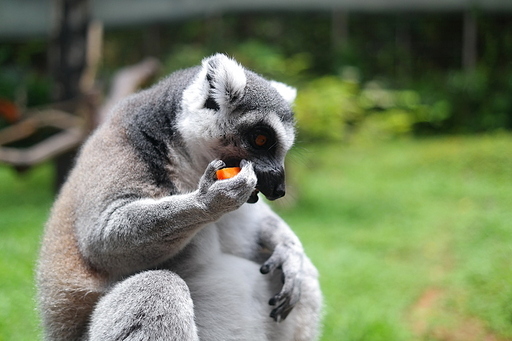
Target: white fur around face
(227, 82)
(287, 92)
(285, 134)
(220, 78)
(227, 79)
(195, 122)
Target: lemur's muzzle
(271, 183)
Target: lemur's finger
(282, 253)
(271, 264)
(209, 176)
(247, 173)
(244, 163)
(290, 293)
(214, 166)
(247, 169)
(285, 302)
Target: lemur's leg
(152, 305)
(307, 314)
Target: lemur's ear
(226, 80)
(287, 92)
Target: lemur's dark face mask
(270, 182)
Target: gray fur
(144, 243)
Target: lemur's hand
(221, 196)
(289, 259)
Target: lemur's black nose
(271, 183)
(279, 191)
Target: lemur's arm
(287, 255)
(136, 234)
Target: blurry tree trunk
(125, 82)
(68, 61)
(339, 29)
(403, 58)
(469, 42)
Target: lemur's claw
(280, 313)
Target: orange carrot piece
(227, 173)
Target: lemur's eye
(260, 140)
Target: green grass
(24, 205)
(412, 238)
(390, 225)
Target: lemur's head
(231, 114)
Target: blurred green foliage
(343, 109)
(23, 74)
(476, 101)
(410, 78)
(264, 59)
(23, 79)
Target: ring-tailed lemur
(144, 243)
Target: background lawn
(412, 237)
(24, 205)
